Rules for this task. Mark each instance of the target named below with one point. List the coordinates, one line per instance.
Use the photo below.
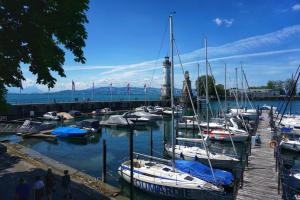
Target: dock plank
(260, 177)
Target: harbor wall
(23, 110)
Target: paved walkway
(16, 164)
(260, 178)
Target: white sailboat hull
(170, 190)
(290, 145)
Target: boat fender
(181, 155)
(272, 144)
(196, 158)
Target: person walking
(66, 185)
(49, 184)
(22, 190)
(39, 188)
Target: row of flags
(110, 87)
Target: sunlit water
(86, 155)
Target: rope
(194, 111)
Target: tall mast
(206, 83)
(236, 89)
(225, 88)
(198, 90)
(243, 89)
(172, 88)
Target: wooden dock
(260, 177)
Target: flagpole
(93, 92)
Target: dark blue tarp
(69, 132)
(201, 171)
(286, 130)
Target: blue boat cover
(203, 172)
(69, 132)
(286, 130)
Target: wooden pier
(260, 176)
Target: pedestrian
(49, 184)
(39, 188)
(66, 185)
(22, 190)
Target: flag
(73, 86)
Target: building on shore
(255, 92)
(166, 83)
(186, 87)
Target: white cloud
(226, 22)
(296, 7)
(149, 72)
(218, 21)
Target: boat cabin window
(189, 178)
(149, 164)
(166, 169)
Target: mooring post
(176, 132)
(131, 161)
(151, 142)
(104, 161)
(165, 132)
(185, 126)
(193, 125)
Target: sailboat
(177, 179)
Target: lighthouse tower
(166, 84)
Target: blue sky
(128, 38)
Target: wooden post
(104, 161)
(176, 132)
(151, 142)
(185, 126)
(193, 125)
(131, 161)
(165, 132)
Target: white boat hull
(290, 146)
(175, 192)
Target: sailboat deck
(260, 177)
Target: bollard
(151, 142)
(131, 161)
(185, 127)
(104, 161)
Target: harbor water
(86, 154)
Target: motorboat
(69, 132)
(141, 109)
(91, 125)
(137, 120)
(224, 135)
(103, 111)
(293, 145)
(147, 115)
(196, 153)
(51, 116)
(189, 180)
(116, 121)
(75, 113)
(33, 127)
(168, 111)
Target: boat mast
(198, 90)
(206, 84)
(243, 89)
(172, 88)
(225, 87)
(236, 90)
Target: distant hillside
(99, 90)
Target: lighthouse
(166, 84)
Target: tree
(201, 83)
(33, 34)
(289, 85)
(271, 84)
